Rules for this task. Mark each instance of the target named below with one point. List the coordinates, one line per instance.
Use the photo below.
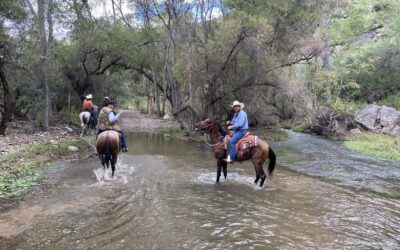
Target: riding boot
(228, 159)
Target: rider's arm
(239, 121)
(112, 117)
(90, 105)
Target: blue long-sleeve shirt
(112, 117)
(239, 121)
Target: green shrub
(67, 115)
(391, 101)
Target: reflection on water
(164, 196)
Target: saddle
(243, 146)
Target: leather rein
(208, 127)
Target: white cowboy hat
(89, 96)
(237, 103)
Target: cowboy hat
(89, 96)
(237, 103)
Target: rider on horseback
(105, 101)
(239, 125)
(109, 120)
(90, 107)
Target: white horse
(87, 122)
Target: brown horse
(108, 147)
(257, 154)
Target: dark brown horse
(257, 154)
(108, 146)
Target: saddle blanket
(246, 142)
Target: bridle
(207, 128)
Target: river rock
(389, 117)
(368, 117)
(69, 129)
(167, 117)
(72, 148)
(355, 131)
(380, 119)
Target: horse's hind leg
(257, 178)
(257, 172)
(113, 162)
(263, 175)
(83, 130)
(103, 160)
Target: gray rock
(168, 117)
(69, 129)
(368, 117)
(72, 148)
(395, 130)
(380, 119)
(389, 117)
(355, 131)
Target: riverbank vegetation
(377, 145)
(295, 64)
(20, 168)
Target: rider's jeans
(235, 138)
(123, 139)
(93, 113)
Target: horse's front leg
(219, 164)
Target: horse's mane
(221, 130)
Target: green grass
(377, 145)
(13, 184)
(20, 169)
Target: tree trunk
(7, 110)
(113, 8)
(44, 62)
(155, 92)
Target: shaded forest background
(283, 59)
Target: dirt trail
(22, 133)
(134, 121)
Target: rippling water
(164, 196)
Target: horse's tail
(272, 161)
(107, 154)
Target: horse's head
(205, 125)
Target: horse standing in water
(108, 147)
(87, 122)
(258, 154)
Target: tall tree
(10, 10)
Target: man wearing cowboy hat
(239, 125)
(90, 107)
(109, 120)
